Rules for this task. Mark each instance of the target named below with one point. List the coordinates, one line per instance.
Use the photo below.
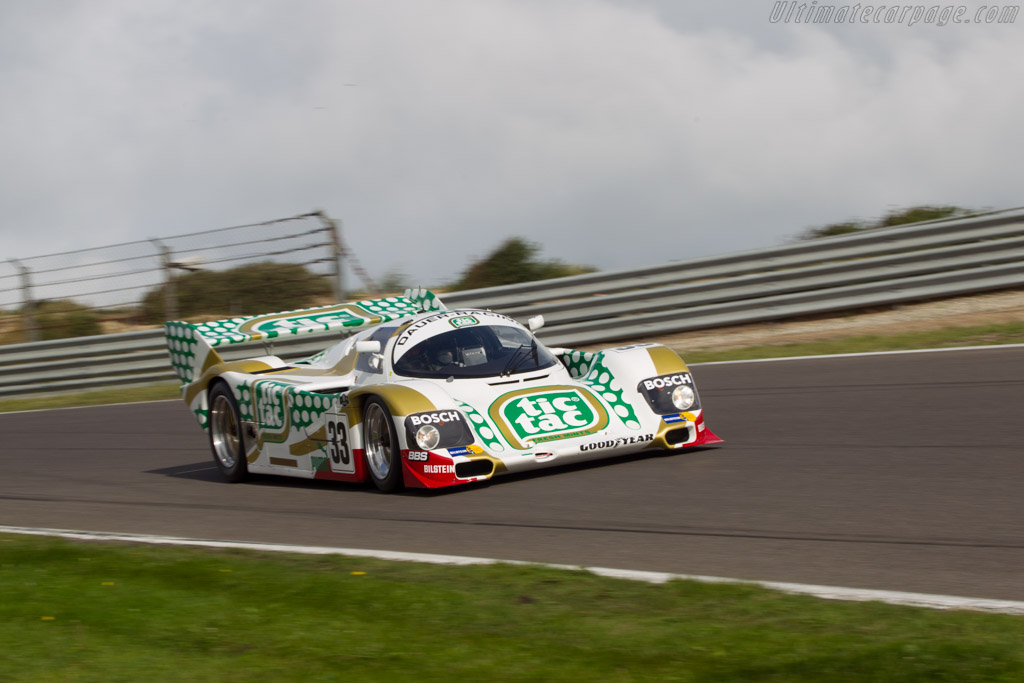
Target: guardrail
(886, 266)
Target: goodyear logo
(538, 416)
(463, 321)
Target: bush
(514, 261)
(246, 290)
(914, 214)
(62, 318)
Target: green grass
(102, 612)
(156, 392)
(1005, 333)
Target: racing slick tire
(226, 434)
(381, 449)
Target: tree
(914, 214)
(917, 214)
(393, 281)
(514, 260)
(246, 290)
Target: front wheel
(380, 446)
(225, 426)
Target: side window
(509, 337)
(374, 362)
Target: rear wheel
(380, 446)
(225, 427)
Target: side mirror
(535, 323)
(368, 346)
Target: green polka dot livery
(590, 369)
(485, 431)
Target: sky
(613, 133)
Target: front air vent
(474, 468)
(674, 437)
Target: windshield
(479, 351)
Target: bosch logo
(434, 418)
(667, 381)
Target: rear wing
(191, 346)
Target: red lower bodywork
(438, 471)
(705, 438)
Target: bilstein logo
(535, 416)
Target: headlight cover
(672, 393)
(427, 437)
(683, 397)
(437, 429)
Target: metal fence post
(170, 282)
(28, 305)
(338, 262)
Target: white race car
(421, 396)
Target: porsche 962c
(421, 396)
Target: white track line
(862, 353)
(826, 592)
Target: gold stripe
(308, 445)
(212, 358)
(284, 462)
(666, 361)
(659, 438)
(215, 367)
(401, 400)
(499, 466)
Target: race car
(420, 396)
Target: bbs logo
(417, 456)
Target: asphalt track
(894, 472)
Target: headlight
(682, 397)
(434, 429)
(672, 393)
(427, 437)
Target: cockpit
(477, 351)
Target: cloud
(615, 134)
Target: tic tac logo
(546, 415)
(463, 321)
(284, 323)
(312, 322)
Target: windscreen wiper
(511, 365)
(514, 365)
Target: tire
(225, 428)
(381, 450)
